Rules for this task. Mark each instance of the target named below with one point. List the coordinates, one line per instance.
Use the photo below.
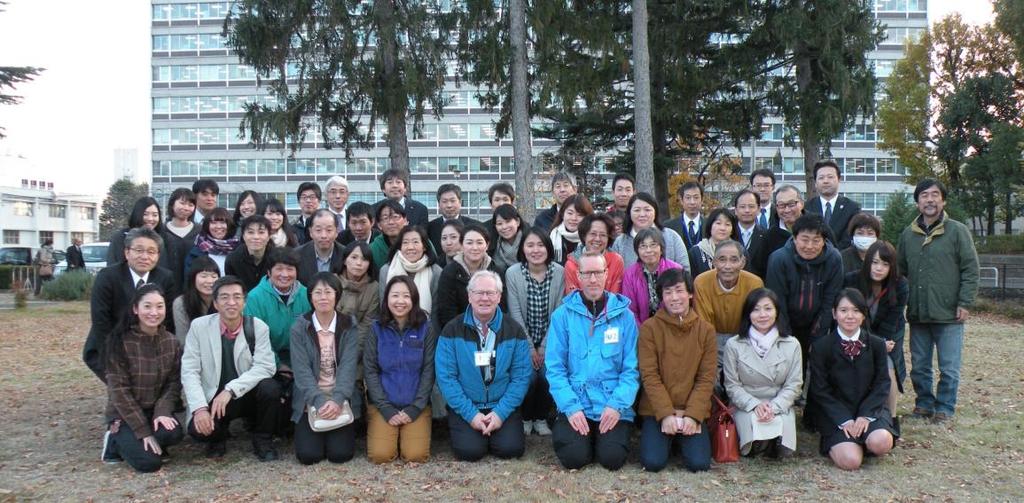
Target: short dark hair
(926, 184)
(322, 212)
(577, 202)
(227, 280)
(395, 207)
(743, 192)
(399, 173)
(673, 277)
(428, 249)
(857, 299)
(588, 222)
(710, 220)
(545, 239)
(256, 198)
(142, 232)
(627, 222)
(256, 219)
(285, 256)
(689, 186)
(417, 316)
(827, 163)
(331, 280)
(623, 176)
(194, 305)
(479, 229)
(813, 223)
(358, 209)
(449, 187)
(864, 219)
(504, 188)
(180, 193)
(508, 212)
(645, 234)
(455, 224)
(364, 249)
(219, 213)
(139, 209)
(205, 184)
(750, 303)
(304, 186)
(762, 172)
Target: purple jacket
(634, 287)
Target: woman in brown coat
(359, 295)
(678, 356)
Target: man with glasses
(114, 287)
(337, 199)
(227, 370)
(762, 182)
(591, 361)
(391, 220)
(790, 206)
(309, 195)
(483, 369)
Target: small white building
(34, 212)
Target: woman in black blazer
(850, 384)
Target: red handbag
(725, 445)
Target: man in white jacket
(227, 373)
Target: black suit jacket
(346, 238)
(415, 212)
(301, 228)
(676, 224)
(436, 225)
(774, 239)
(307, 261)
(241, 264)
(843, 211)
(112, 293)
(845, 389)
(74, 258)
(758, 239)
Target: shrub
(5, 276)
(73, 285)
(1001, 244)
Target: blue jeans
(655, 447)
(946, 339)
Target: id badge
(482, 358)
(611, 335)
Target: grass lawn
(52, 425)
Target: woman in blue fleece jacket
(483, 369)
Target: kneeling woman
(143, 385)
(850, 382)
(678, 355)
(398, 363)
(763, 377)
(325, 354)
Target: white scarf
(401, 267)
(762, 342)
(556, 239)
(279, 238)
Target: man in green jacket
(938, 257)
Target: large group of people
(582, 325)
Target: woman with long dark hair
(412, 255)
(217, 239)
(145, 213)
(247, 205)
(143, 385)
(197, 299)
(850, 385)
(719, 226)
(398, 361)
(565, 235)
(281, 232)
(763, 377)
(508, 230)
(359, 296)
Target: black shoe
(109, 455)
(922, 413)
(264, 449)
(216, 449)
(896, 425)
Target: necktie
(828, 212)
(139, 283)
(763, 219)
(693, 237)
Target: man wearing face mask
(865, 229)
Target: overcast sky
(94, 96)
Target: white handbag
(318, 424)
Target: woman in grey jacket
(535, 285)
(325, 352)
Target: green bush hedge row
(75, 285)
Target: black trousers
(537, 404)
(311, 447)
(134, 452)
(262, 404)
(576, 451)
(468, 444)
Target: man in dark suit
(747, 206)
(394, 183)
(114, 287)
(449, 202)
(309, 196)
(74, 256)
(690, 222)
(837, 210)
(789, 206)
(322, 253)
(358, 224)
(562, 187)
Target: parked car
(94, 254)
(15, 255)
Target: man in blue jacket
(591, 361)
(483, 370)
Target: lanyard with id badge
(485, 355)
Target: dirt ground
(51, 414)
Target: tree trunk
(397, 107)
(521, 138)
(808, 139)
(643, 149)
(991, 214)
(1009, 213)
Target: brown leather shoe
(940, 417)
(922, 413)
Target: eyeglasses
(152, 252)
(322, 292)
(309, 197)
(230, 297)
(786, 206)
(592, 274)
(394, 217)
(649, 246)
(762, 185)
(486, 293)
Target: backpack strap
(250, 334)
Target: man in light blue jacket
(591, 361)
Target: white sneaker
(527, 427)
(541, 427)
